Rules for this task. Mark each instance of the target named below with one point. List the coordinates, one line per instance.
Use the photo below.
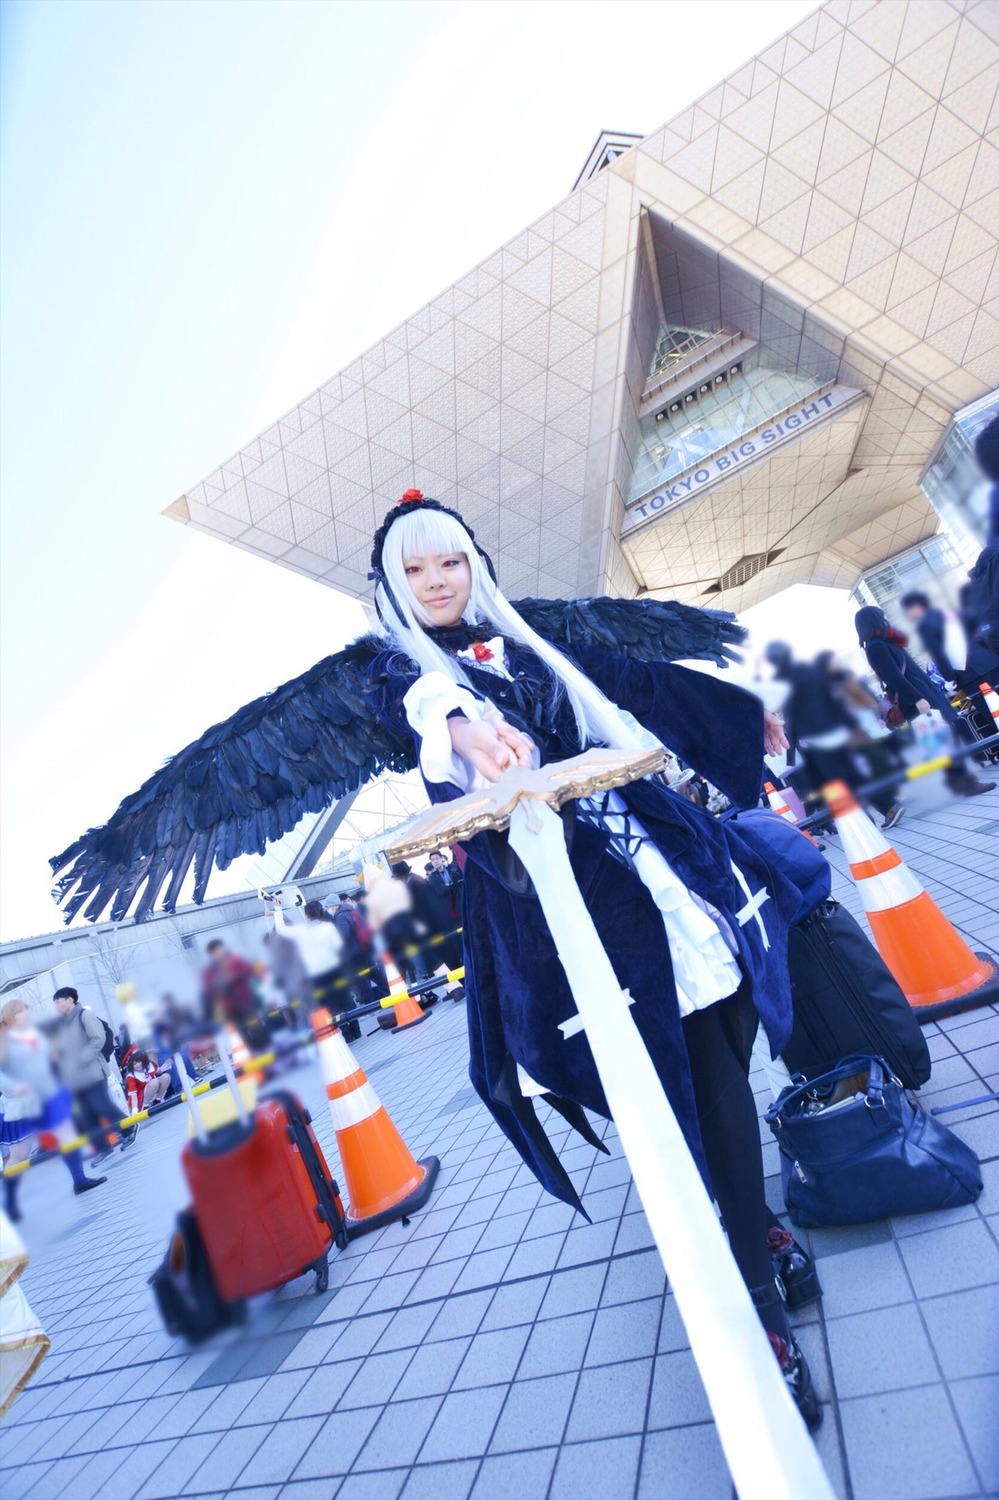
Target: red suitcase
(265, 1204)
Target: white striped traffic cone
(936, 969)
(781, 808)
(242, 1057)
(383, 1180)
(991, 703)
(408, 1012)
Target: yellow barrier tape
(321, 993)
(927, 766)
(453, 976)
(78, 1142)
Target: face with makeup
(440, 582)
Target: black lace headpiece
(413, 500)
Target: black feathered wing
(648, 629)
(248, 781)
(241, 785)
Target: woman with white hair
(694, 919)
(33, 1100)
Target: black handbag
(846, 1001)
(853, 1147)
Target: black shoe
(894, 815)
(459, 993)
(84, 1187)
(129, 1138)
(798, 1379)
(968, 785)
(794, 1269)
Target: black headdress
(413, 500)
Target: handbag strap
(877, 1072)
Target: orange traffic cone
(408, 1012)
(938, 972)
(991, 703)
(242, 1057)
(780, 807)
(384, 1182)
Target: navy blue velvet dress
(517, 990)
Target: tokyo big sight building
(737, 356)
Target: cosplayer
(694, 920)
(480, 690)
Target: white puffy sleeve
(428, 703)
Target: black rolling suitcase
(846, 1001)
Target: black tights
(719, 1044)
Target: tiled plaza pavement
(498, 1345)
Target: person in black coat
(820, 726)
(445, 878)
(979, 663)
(433, 912)
(907, 684)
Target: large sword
(769, 1452)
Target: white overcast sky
(208, 209)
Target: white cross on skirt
(752, 907)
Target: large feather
(649, 629)
(248, 781)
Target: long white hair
(426, 532)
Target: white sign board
(723, 465)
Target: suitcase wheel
(323, 1277)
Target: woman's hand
(922, 705)
(490, 747)
(774, 738)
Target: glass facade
(709, 423)
(952, 481)
(673, 345)
(938, 567)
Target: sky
(209, 209)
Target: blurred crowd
(71, 1075)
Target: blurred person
(172, 1022)
(959, 658)
(433, 913)
(33, 1100)
(230, 994)
(358, 937)
(438, 902)
(390, 910)
(378, 977)
(875, 746)
(346, 987)
(818, 723)
(78, 1047)
(980, 595)
(911, 691)
(953, 649)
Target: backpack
(107, 1046)
(363, 930)
(185, 1291)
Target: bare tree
(112, 963)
